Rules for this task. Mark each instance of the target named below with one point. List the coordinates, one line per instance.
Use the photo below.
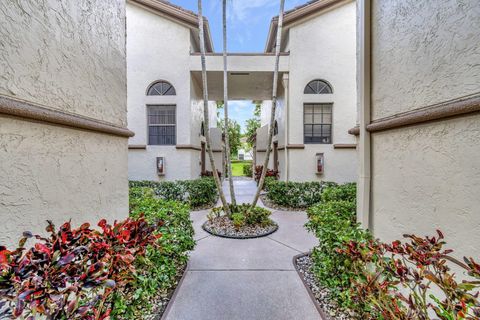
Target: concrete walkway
(246, 279)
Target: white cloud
(244, 10)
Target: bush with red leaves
(402, 280)
(71, 273)
(270, 173)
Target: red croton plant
(413, 280)
(270, 173)
(71, 273)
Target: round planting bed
(223, 227)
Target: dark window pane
(318, 87)
(162, 125)
(318, 123)
(161, 88)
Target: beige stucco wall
(72, 53)
(69, 57)
(426, 176)
(424, 52)
(324, 47)
(56, 173)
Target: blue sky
(247, 22)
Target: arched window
(161, 88)
(318, 87)
(275, 128)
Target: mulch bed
(223, 227)
(271, 205)
(328, 308)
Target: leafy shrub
(72, 273)
(397, 281)
(270, 173)
(158, 269)
(344, 192)
(252, 216)
(247, 170)
(201, 192)
(333, 223)
(197, 193)
(238, 220)
(210, 174)
(402, 280)
(297, 194)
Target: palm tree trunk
(274, 103)
(206, 111)
(225, 104)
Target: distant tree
(251, 128)
(234, 135)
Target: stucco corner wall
(66, 56)
(55, 173)
(426, 178)
(423, 53)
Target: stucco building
(317, 96)
(419, 120)
(63, 136)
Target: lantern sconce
(161, 166)
(320, 163)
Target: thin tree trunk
(206, 111)
(274, 103)
(225, 105)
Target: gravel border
(269, 204)
(268, 231)
(319, 295)
(162, 314)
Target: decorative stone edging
(241, 237)
(322, 313)
(320, 295)
(173, 296)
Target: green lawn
(237, 167)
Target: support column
(364, 100)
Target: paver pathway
(246, 279)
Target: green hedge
(411, 279)
(197, 193)
(247, 170)
(159, 269)
(295, 194)
(333, 221)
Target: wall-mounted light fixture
(161, 166)
(320, 163)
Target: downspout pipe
(364, 100)
(286, 115)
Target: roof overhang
(179, 14)
(300, 14)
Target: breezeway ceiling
(241, 85)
